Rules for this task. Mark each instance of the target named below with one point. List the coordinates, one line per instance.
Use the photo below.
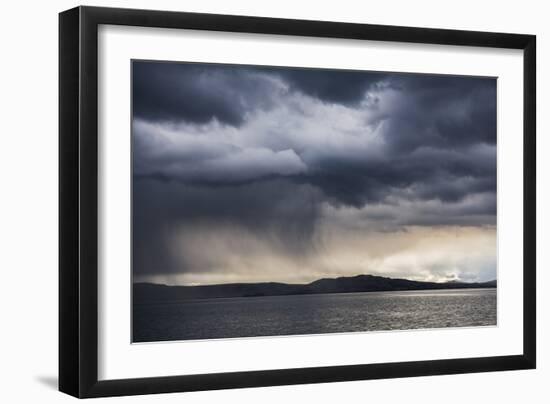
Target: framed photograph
(251, 201)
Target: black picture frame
(78, 201)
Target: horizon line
(316, 280)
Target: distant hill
(148, 292)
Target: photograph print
(276, 201)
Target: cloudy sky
(247, 174)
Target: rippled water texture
(313, 314)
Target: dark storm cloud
(441, 111)
(198, 93)
(346, 87)
(176, 92)
(424, 173)
(438, 110)
(436, 130)
(263, 151)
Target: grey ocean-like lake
(313, 314)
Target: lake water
(313, 314)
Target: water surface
(313, 314)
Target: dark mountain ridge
(150, 293)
